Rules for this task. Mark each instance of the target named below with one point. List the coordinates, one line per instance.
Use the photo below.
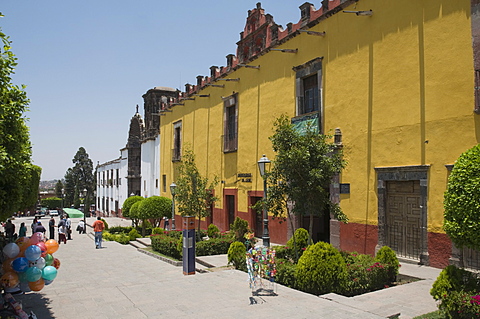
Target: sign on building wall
(302, 122)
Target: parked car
(39, 213)
(53, 212)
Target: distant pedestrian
(81, 226)
(62, 232)
(34, 224)
(68, 225)
(98, 227)
(22, 232)
(40, 229)
(165, 223)
(51, 227)
(10, 230)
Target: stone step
(145, 241)
(137, 244)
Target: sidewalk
(119, 282)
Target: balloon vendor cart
(261, 271)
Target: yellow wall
(391, 82)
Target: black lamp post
(85, 195)
(262, 166)
(173, 186)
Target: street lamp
(262, 166)
(63, 192)
(85, 192)
(173, 186)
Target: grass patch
(431, 315)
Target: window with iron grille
(177, 141)
(309, 87)
(230, 136)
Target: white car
(53, 213)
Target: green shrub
(107, 236)
(213, 231)
(239, 229)
(460, 305)
(285, 273)
(387, 257)
(298, 243)
(157, 230)
(213, 246)
(175, 234)
(237, 255)
(166, 245)
(148, 231)
(133, 234)
(105, 223)
(120, 229)
(451, 279)
(123, 239)
(321, 269)
(364, 274)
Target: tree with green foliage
(69, 188)
(127, 205)
(31, 184)
(194, 192)
(83, 177)
(58, 189)
(301, 173)
(134, 212)
(51, 202)
(154, 207)
(462, 200)
(15, 146)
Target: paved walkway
(119, 282)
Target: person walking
(34, 224)
(98, 227)
(68, 226)
(62, 230)
(22, 232)
(51, 227)
(39, 228)
(80, 226)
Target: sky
(86, 64)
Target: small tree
(135, 212)
(194, 192)
(301, 173)
(461, 200)
(154, 207)
(127, 206)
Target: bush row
(458, 291)
(323, 269)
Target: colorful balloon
(33, 252)
(47, 282)
(7, 265)
(39, 263)
(49, 273)
(11, 250)
(22, 276)
(43, 248)
(56, 263)
(37, 285)
(48, 260)
(9, 279)
(36, 238)
(52, 246)
(33, 274)
(20, 264)
(23, 243)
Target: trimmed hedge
(214, 246)
(166, 245)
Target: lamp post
(173, 186)
(63, 194)
(262, 166)
(85, 193)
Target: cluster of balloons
(29, 263)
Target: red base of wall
(439, 250)
(358, 237)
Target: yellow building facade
(394, 79)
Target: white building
(137, 170)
